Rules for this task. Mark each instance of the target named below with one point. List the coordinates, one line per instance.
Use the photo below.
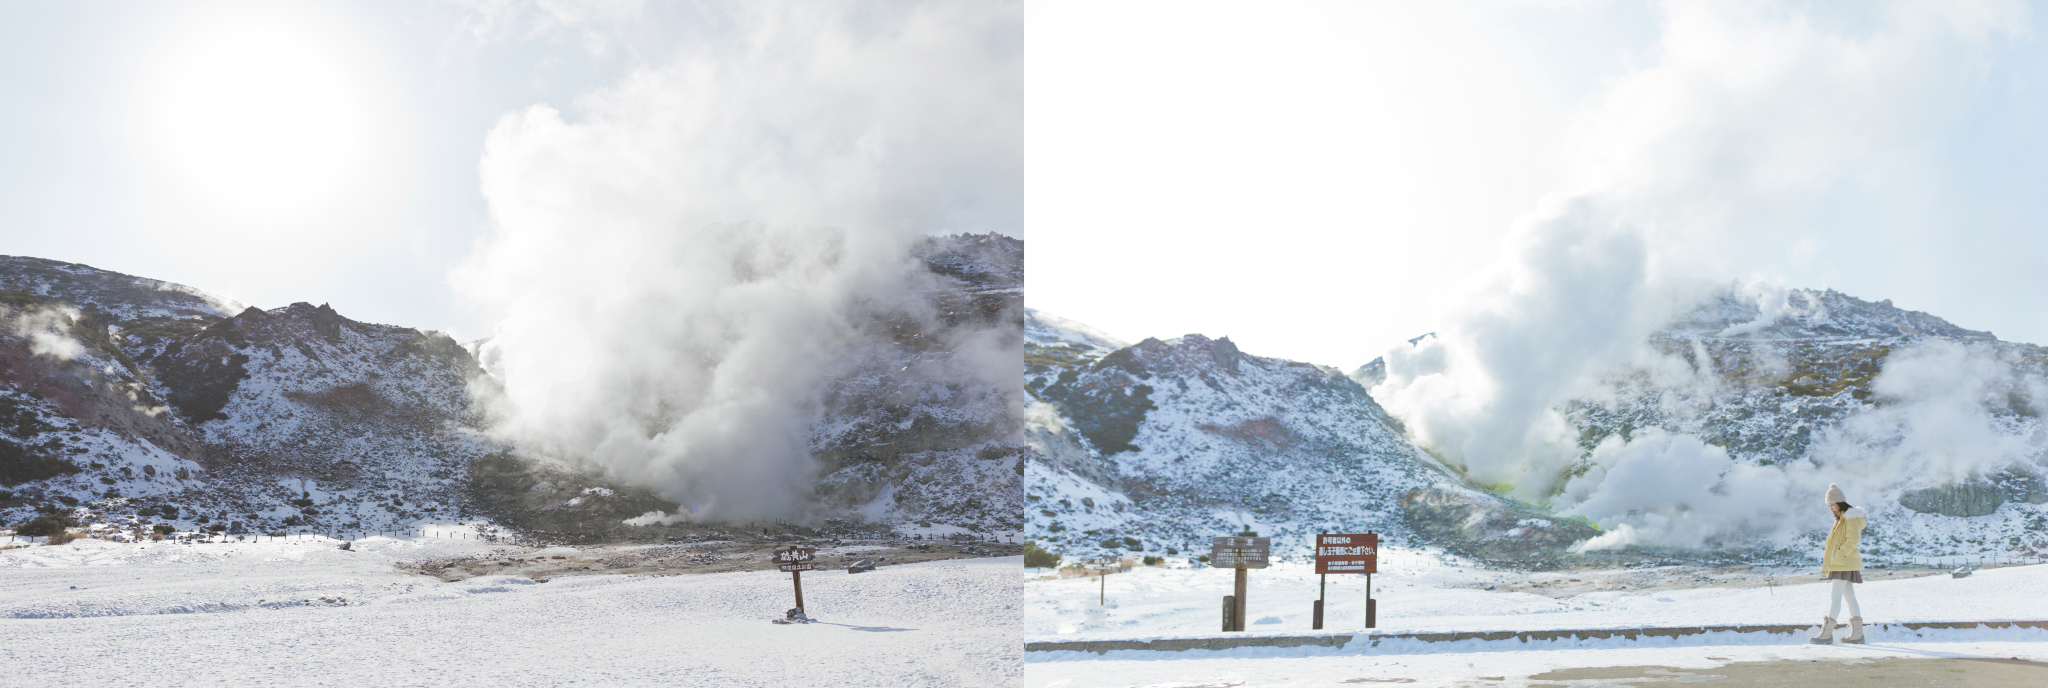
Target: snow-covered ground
(303, 612)
(1425, 592)
(1422, 592)
(1500, 665)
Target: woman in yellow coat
(1843, 567)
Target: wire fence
(139, 536)
(1956, 561)
(484, 534)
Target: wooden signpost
(1102, 577)
(795, 561)
(1347, 554)
(1243, 551)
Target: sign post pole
(1322, 593)
(1242, 552)
(1238, 617)
(1348, 554)
(795, 561)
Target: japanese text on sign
(1347, 553)
(1233, 552)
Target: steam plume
(1749, 114)
(678, 276)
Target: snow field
(1510, 662)
(1415, 595)
(303, 612)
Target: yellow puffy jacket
(1843, 540)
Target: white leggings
(1842, 589)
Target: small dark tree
(46, 524)
(1038, 558)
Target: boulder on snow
(1980, 497)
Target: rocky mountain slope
(139, 401)
(928, 431)
(1158, 446)
(158, 401)
(1936, 427)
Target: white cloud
(590, 24)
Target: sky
(664, 226)
(1319, 181)
(1324, 181)
(328, 152)
(277, 152)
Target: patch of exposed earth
(1790, 673)
(1573, 583)
(720, 556)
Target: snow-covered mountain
(929, 430)
(1755, 400)
(123, 396)
(1935, 428)
(171, 404)
(1780, 377)
(1158, 446)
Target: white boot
(1826, 634)
(1855, 631)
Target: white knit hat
(1835, 495)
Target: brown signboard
(1229, 552)
(794, 555)
(1347, 553)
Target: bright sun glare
(258, 117)
(263, 128)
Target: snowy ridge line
(1885, 631)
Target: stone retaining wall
(1340, 641)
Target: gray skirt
(1851, 576)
